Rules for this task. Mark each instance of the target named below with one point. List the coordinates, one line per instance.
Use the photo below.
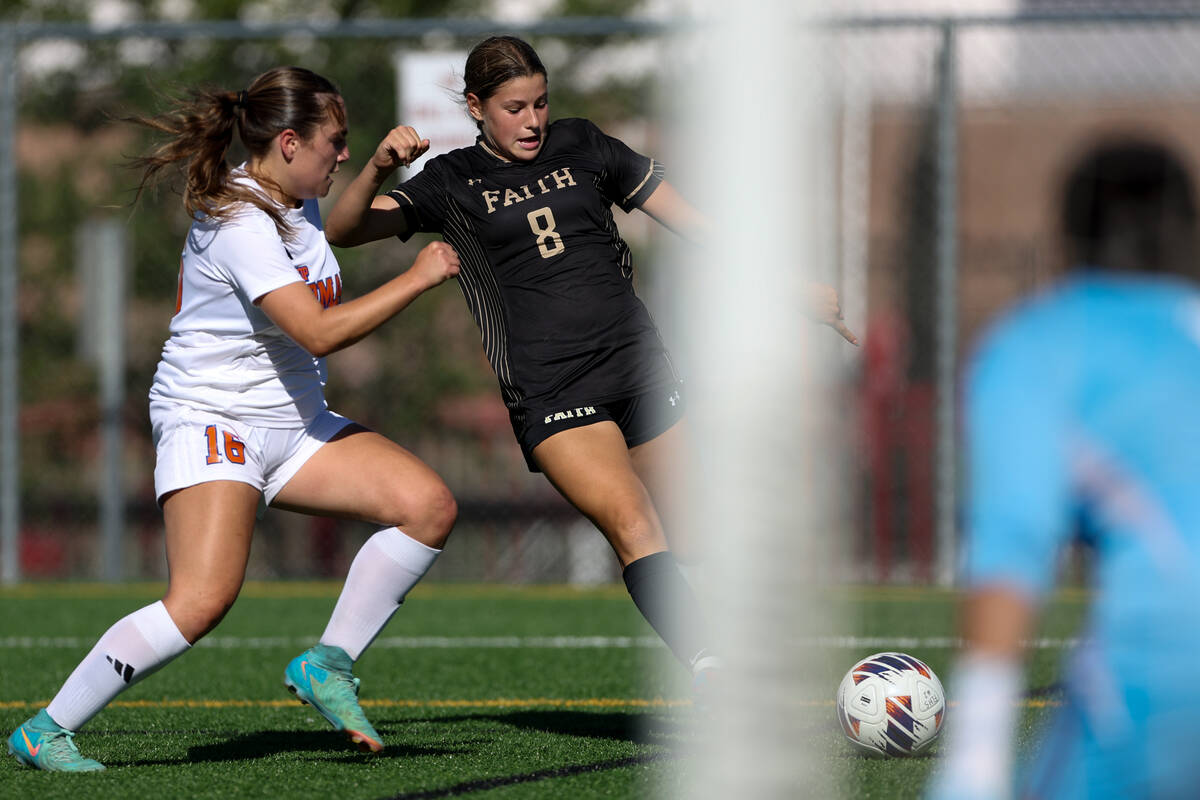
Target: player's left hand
(436, 263)
(821, 303)
(399, 148)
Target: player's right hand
(820, 302)
(399, 148)
(436, 262)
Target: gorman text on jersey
(327, 291)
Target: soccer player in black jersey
(594, 399)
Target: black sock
(665, 599)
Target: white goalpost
(766, 486)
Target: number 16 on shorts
(223, 445)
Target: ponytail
(200, 131)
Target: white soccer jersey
(224, 354)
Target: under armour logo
(474, 181)
(673, 399)
(124, 670)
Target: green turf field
(497, 692)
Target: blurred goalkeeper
(1081, 419)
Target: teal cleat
(42, 744)
(321, 677)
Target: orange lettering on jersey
(303, 272)
(179, 288)
(329, 291)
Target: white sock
(383, 572)
(978, 741)
(131, 649)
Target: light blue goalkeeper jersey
(1083, 417)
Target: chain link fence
(948, 139)
(85, 509)
(954, 135)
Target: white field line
(492, 702)
(902, 643)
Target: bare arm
(997, 620)
(363, 215)
(667, 207)
(322, 331)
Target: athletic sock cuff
(647, 566)
(403, 549)
(159, 630)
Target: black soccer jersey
(543, 268)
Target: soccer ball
(891, 704)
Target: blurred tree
(73, 143)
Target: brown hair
(201, 127)
(496, 60)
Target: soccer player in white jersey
(239, 414)
(1080, 419)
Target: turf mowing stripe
(288, 589)
(532, 702)
(386, 642)
(531, 642)
(931, 642)
(471, 787)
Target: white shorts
(193, 447)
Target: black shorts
(640, 417)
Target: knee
(636, 516)
(196, 613)
(633, 529)
(428, 515)
(440, 512)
